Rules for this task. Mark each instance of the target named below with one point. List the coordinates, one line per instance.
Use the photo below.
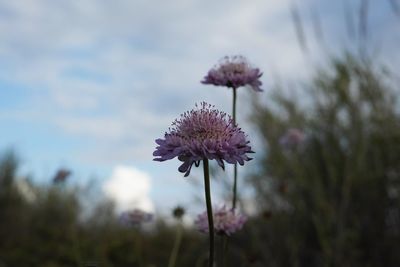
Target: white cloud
(129, 188)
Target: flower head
(178, 212)
(292, 138)
(203, 133)
(61, 176)
(234, 72)
(135, 217)
(226, 222)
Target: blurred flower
(283, 187)
(293, 137)
(91, 264)
(234, 72)
(61, 176)
(135, 217)
(266, 214)
(203, 133)
(178, 212)
(226, 222)
(253, 256)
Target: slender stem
(234, 105)
(177, 244)
(209, 211)
(234, 187)
(234, 190)
(224, 250)
(138, 248)
(77, 253)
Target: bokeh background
(87, 86)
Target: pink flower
(293, 137)
(135, 217)
(203, 133)
(234, 72)
(226, 222)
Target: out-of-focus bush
(43, 226)
(329, 180)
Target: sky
(89, 85)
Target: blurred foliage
(43, 226)
(332, 199)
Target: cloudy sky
(88, 85)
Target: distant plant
(178, 214)
(226, 221)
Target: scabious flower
(135, 217)
(234, 72)
(226, 222)
(203, 133)
(292, 138)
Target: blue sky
(89, 85)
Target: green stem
(209, 211)
(234, 199)
(177, 244)
(234, 105)
(138, 249)
(224, 250)
(77, 253)
(234, 190)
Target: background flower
(178, 212)
(292, 138)
(234, 72)
(225, 221)
(135, 217)
(61, 176)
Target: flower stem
(224, 250)
(138, 249)
(235, 166)
(234, 187)
(234, 105)
(177, 244)
(209, 211)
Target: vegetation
(332, 198)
